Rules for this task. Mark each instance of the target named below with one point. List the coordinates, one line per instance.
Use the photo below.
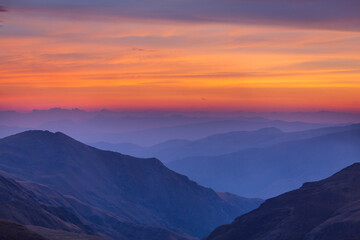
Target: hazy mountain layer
(142, 128)
(266, 172)
(218, 144)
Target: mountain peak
(42, 139)
(38, 134)
(137, 190)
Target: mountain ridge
(266, 172)
(141, 191)
(322, 210)
(218, 144)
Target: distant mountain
(269, 171)
(246, 204)
(218, 144)
(315, 117)
(136, 191)
(8, 130)
(143, 128)
(200, 130)
(323, 210)
(35, 118)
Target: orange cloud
(49, 62)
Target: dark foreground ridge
(323, 210)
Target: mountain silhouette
(324, 210)
(137, 191)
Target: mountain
(324, 210)
(269, 171)
(11, 231)
(124, 148)
(315, 117)
(7, 130)
(200, 130)
(218, 144)
(144, 128)
(246, 204)
(224, 143)
(54, 215)
(53, 234)
(21, 205)
(136, 191)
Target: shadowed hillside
(13, 231)
(323, 210)
(141, 191)
(54, 215)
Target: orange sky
(120, 64)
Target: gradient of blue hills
(148, 128)
(271, 169)
(217, 144)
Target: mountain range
(266, 171)
(76, 188)
(218, 144)
(143, 128)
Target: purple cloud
(328, 14)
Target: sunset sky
(180, 54)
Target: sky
(262, 55)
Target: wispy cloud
(2, 9)
(69, 52)
(328, 14)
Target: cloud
(2, 9)
(323, 14)
(328, 64)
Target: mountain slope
(53, 234)
(267, 172)
(141, 191)
(323, 210)
(21, 205)
(225, 143)
(55, 215)
(12, 231)
(201, 130)
(245, 204)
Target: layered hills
(119, 195)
